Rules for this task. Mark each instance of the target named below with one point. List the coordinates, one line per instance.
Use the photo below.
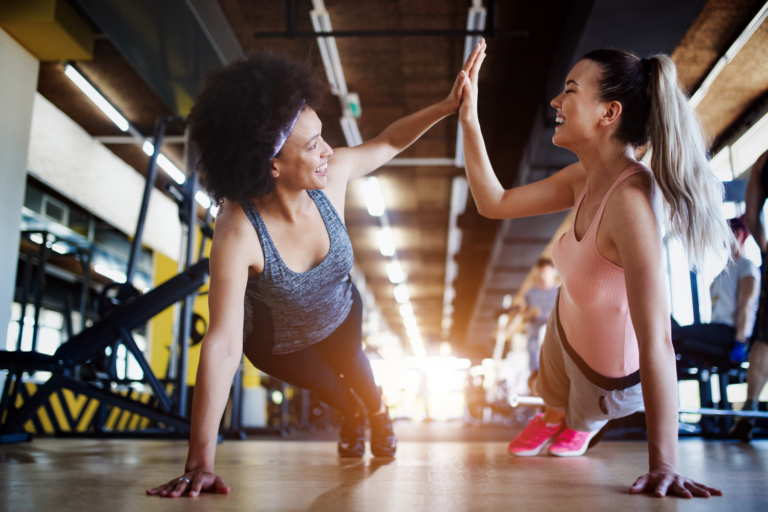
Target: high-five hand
(468, 109)
(454, 99)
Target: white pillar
(18, 83)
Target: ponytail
(655, 110)
(692, 192)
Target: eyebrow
(571, 81)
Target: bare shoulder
(235, 238)
(635, 205)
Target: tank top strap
(326, 208)
(261, 229)
(629, 171)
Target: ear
(274, 170)
(611, 114)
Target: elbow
(488, 213)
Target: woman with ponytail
(608, 351)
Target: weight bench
(700, 366)
(108, 332)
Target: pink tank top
(593, 304)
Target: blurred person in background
(734, 306)
(757, 374)
(538, 304)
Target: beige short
(565, 388)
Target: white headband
(283, 136)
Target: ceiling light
(214, 210)
(115, 275)
(202, 198)
(165, 164)
(417, 344)
(386, 241)
(374, 201)
(406, 310)
(395, 272)
(60, 248)
(410, 322)
(401, 293)
(97, 98)
(446, 323)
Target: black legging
(705, 339)
(330, 368)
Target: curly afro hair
(238, 117)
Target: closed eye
(567, 91)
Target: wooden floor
(92, 475)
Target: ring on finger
(183, 479)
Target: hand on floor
(194, 482)
(662, 484)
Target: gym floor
(276, 475)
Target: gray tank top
(306, 307)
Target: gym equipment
(535, 401)
(113, 330)
(122, 309)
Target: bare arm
(349, 163)
(553, 194)
(220, 355)
(755, 197)
(634, 230)
(748, 293)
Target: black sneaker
(383, 440)
(352, 436)
(742, 430)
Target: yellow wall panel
(49, 29)
(162, 324)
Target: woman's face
(303, 161)
(581, 116)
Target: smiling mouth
(322, 169)
(560, 120)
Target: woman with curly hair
(280, 290)
(608, 352)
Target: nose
(327, 150)
(557, 101)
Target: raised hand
(192, 482)
(455, 97)
(663, 483)
(468, 109)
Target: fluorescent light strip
(386, 241)
(114, 275)
(203, 199)
(165, 164)
(406, 310)
(729, 55)
(401, 293)
(374, 201)
(395, 272)
(97, 98)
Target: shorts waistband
(606, 383)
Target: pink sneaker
(571, 443)
(534, 438)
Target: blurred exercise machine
(122, 308)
